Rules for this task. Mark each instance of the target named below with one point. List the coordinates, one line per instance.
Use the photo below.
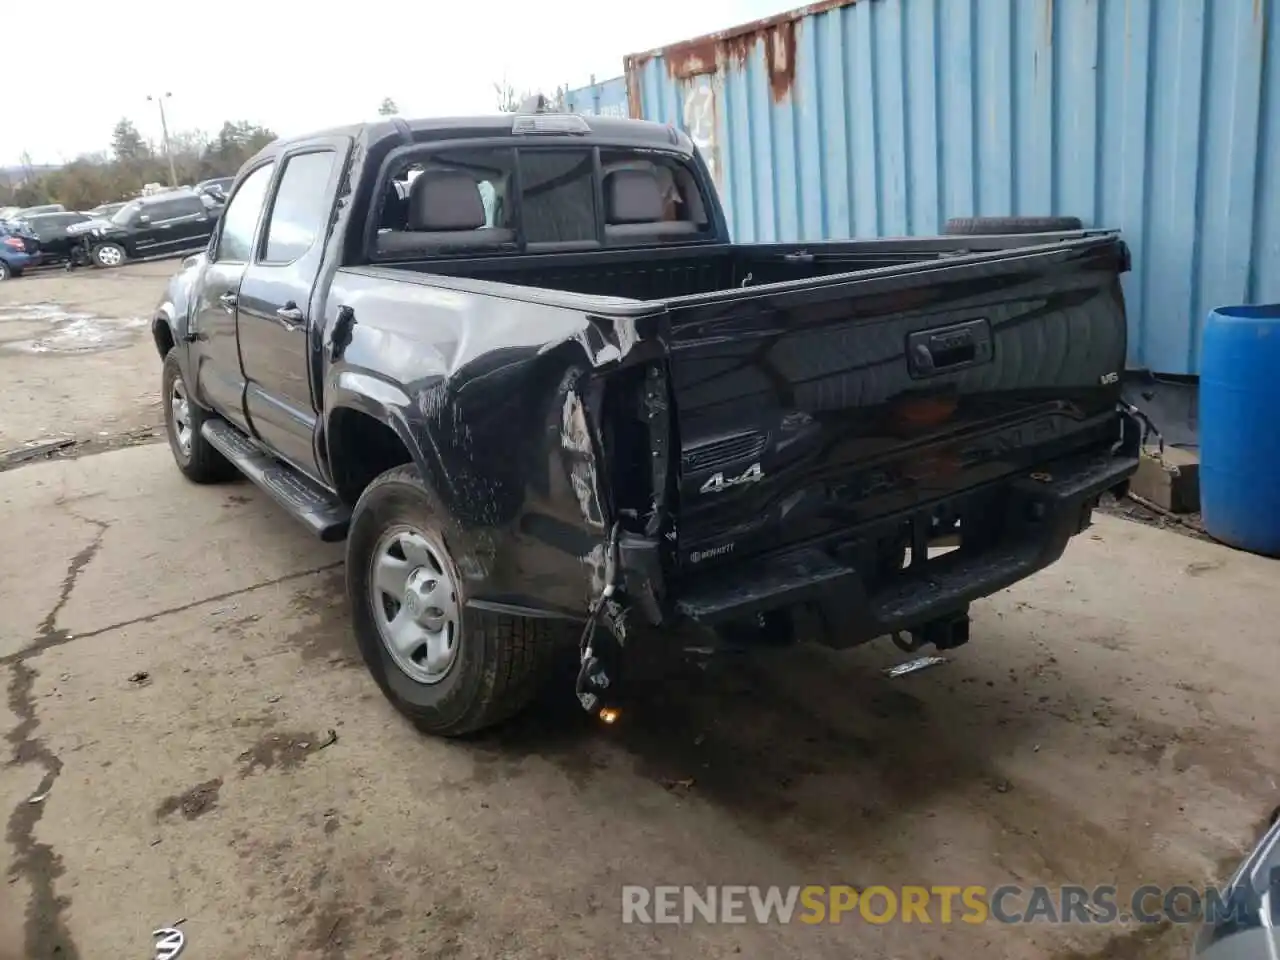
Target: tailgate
(808, 408)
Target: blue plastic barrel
(1240, 427)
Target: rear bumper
(1035, 517)
(21, 261)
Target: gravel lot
(190, 717)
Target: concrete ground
(190, 735)
(76, 356)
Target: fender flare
(474, 551)
(164, 318)
(384, 402)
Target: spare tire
(986, 226)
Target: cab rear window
(491, 200)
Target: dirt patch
(326, 935)
(1189, 525)
(192, 803)
(71, 448)
(77, 359)
(1153, 942)
(325, 631)
(283, 751)
(52, 328)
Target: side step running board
(316, 508)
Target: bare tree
(388, 108)
(508, 99)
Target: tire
(987, 226)
(195, 456)
(495, 663)
(5, 271)
(109, 255)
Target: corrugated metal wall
(886, 117)
(608, 98)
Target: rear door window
(172, 209)
(301, 206)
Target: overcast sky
(296, 66)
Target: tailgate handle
(945, 349)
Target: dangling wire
(586, 651)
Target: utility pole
(164, 130)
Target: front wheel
(109, 255)
(449, 669)
(183, 418)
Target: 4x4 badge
(717, 482)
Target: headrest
(445, 200)
(633, 196)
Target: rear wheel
(183, 418)
(449, 669)
(5, 272)
(109, 255)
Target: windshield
(16, 227)
(126, 214)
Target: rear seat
(634, 208)
(445, 210)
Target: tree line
(132, 162)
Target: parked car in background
(158, 225)
(19, 248)
(105, 211)
(23, 212)
(51, 230)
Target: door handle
(290, 314)
(228, 301)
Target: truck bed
(661, 274)
(820, 388)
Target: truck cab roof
(395, 131)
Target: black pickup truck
(519, 365)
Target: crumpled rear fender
(510, 451)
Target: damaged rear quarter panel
(493, 397)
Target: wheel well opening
(361, 448)
(163, 337)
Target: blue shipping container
(605, 99)
(886, 117)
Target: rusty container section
(885, 118)
(716, 51)
(695, 71)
